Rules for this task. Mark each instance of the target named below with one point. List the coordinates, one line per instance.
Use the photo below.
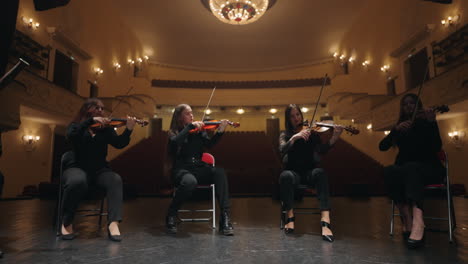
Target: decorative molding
(74, 47)
(239, 84)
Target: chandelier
(238, 12)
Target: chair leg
(282, 216)
(101, 210)
(58, 223)
(392, 218)
(213, 201)
(451, 214)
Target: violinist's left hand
(131, 121)
(430, 115)
(222, 125)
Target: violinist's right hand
(305, 134)
(403, 126)
(198, 124)
(101, 120)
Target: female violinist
(416, 164)
(89, 165)
(300, 148)
(185, 149)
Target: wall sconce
(352, 59)
(450, 21)
(385, 68)
(146, 58)
(139, 60)
(365, 63)
(456, 138)
(29, 22)
(30, 142)
(208, 111)
(335, 55)
(273, 111)
(304, 109)
(131, 62)
(352, 120)
(98, 71)
(240, 111)
(342, 57)
(117, 66)
(369, 126)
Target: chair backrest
(208, 159)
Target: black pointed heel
(288, 231)
(415, 244)
(70, 236)
(115, 238)
(328, 238)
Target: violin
(212, 125)
(322, 127)
(118, 122)
(436, 109)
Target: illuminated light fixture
(450, 21)
(139, 60)
(130, 61)
(335, 55)
(238, 12)
(304, 109)
(366, 63)
(342, 57)
(369, 126)
(146, 57)
(352, 59)
(98, 71)
(240, 111)
(29, 22)
(207, 111)
(386, 132)
(273, 110)
(456, 138)
(352, 120)
(117, 66)
(385, 68)
(30, 142)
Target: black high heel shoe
(414, 244)
(406, 235)
(287, 230)
(115, 238)
(70, 236)
(328, 238)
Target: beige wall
(22, 167)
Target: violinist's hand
(222, 125)
(131, 121)
(198, 124)
(403, 126)
(304, 134)
(430, 115)
(101, 120)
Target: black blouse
(91, 152)
(420, 143)
(301, 155)
(186, 149)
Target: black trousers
(405, 183)
(187, 179)
(75, 186)
(289, 180)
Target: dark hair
(83, 112)
(176, 122)
(415, 98)
(287, 119)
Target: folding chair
(208, 159)
(298, 210)
(450, 208)
(68, 157)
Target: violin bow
(115, 107)
(207, 105)
(415, 110)
(318, 99)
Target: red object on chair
(208, 159)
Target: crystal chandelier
(238, 12)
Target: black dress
(300, 161)
(416, 164)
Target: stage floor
(361, 227)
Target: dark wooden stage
(361, 226)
